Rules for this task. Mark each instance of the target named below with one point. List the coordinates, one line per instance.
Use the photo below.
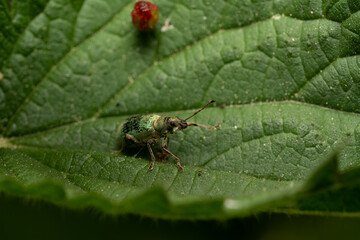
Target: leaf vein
(61, 60)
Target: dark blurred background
(29, 219)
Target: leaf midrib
(8, 140)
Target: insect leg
(128, 137)
(176, 158)
(167, 143)
(123, 143)
(152, 157)
(161, 154)
(131, 137)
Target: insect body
(146, 130)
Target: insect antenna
(212, 101)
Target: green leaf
(332, 190)
(326, 190)
(285, 74)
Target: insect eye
(172, 124)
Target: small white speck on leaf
(167, 26)
(276, 17)
(231, 204)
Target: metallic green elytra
(146, 130)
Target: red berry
(145, 16)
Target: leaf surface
(285, 74)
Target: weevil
(146, 130)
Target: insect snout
(183, 124)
